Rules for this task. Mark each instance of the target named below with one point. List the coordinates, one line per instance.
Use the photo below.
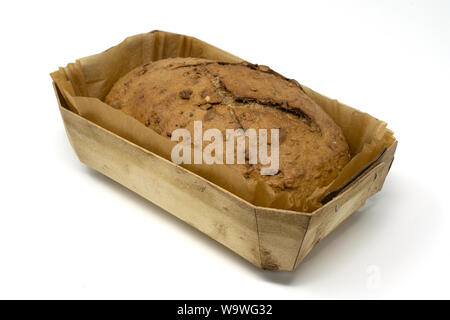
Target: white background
(68, 232)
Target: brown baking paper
(85, 83)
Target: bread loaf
(173, 93)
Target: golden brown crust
(173, 93)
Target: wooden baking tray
(271, 239)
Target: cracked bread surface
(173, 93)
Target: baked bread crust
(173, 93)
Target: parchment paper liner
(85, 83)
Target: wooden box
(268, 238)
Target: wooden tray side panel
(194, 200)
(331, 215)
(280, 237)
